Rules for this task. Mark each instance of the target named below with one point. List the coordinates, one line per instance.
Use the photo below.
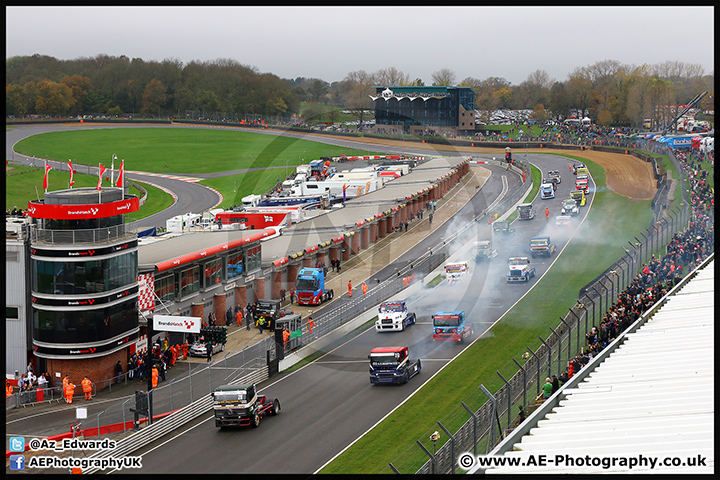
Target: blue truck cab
(392, 365)
(310, 287)
(450, 326)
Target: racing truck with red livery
(310, 287)
(392, 365)
(450, 326)
(240, 405)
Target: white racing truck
(519, 270)
(393, 316)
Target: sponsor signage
(176, 323)
(83, 351)
(71, 212)
(86, 302)
(84, 253)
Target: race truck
(547, 191)
(502, 226)
(582, 184)
(456, 271)
(578, 165)
(483, 250)
(569, 207)
(392, 365)
(552, 181)
(526, 211)
(240, 405)
(310, 287)
(555, 174)
(582, 170)
(541, 246)
(579, 197)
(393, 316)
(450, 326)
(519, 270)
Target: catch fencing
(483, 419)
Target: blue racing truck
(310, 287)
(392, 365)
(450, 326)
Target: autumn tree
(80, 87)
(154, 97)
(53, 98)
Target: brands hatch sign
(69, 212)
(175, 323)
(388, 94)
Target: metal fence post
(509, 397)
(522, 369)
(452, 446)
(474, 417)
(431, 455)
(492, 418)
(537, 359)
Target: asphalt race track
(329, 403)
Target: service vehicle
(393, 316)
(582, 184)
(483, 250)
(563, 220)
(547, 191)
(450, 326)
(310, 287)
(392, 365)
(519, 270)
(199, 348)
(526, 211)
(541, 246)
(579, 197)
(556, 175)
(456, 271)
(240, 405)
(502, 227)
(569, 207)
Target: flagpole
(112, 170)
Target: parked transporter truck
(310, 287)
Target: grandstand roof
(653, 396)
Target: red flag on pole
(72, 182)
(102, 170)
(45, 180)
(120, 182)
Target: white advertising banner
(174, 323)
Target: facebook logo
(17, 444)
(17, 462)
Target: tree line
(610, 92)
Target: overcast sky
(328, 43)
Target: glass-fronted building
(83, 279)
(424, 110)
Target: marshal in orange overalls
(69, 391)
(87, 388)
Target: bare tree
(443, 78)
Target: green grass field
(170, 150)
(178, 149)
(613, 220)
(20, 189)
